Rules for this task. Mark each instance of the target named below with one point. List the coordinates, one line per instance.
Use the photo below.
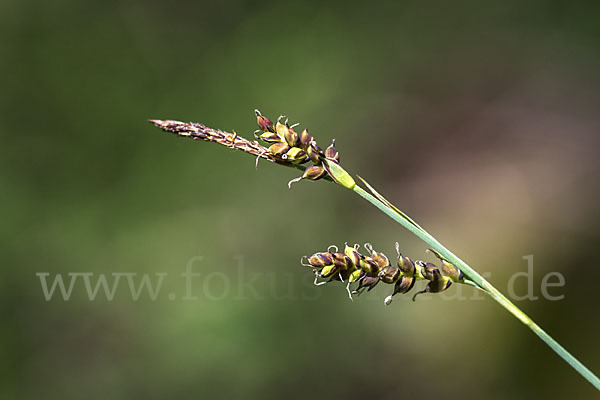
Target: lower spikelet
(368, 270)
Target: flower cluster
(368, 270)
(297, 148)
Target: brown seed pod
(264, 123)
(314, 152)
(295, 154)
(369, 265)
(320, 260)
(352, 253)
(331, 153)
(403, 285)
(314, 172)
(291, 137)
(406, 265)
(380, 258)
(448, 269)
(269, 137)
(428, 270)
(389, 274)
(279, 149)
(341, 261)
(328, 271)
(438, 283)
(367, 282)
(282, 130)
(305, 140)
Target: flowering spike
(351, 267)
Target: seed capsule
(331, 153)
(320, 260)
(449, 270)
(279, 149)
(368, 265)
(291, 137)
(314, 172)
(438, 283)
(341, 261)
(270, 137)
(368, 282)
(389, 274)
(352, 253)
(296, 154)
(428, 270)
(314, 152)
(264, 123)
(404, 263)
(404, 284)
(282, 130)
(328, 271)
(380, 258)
(356, 275)
(305, 140)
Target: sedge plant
(285, 146)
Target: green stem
(481, 282)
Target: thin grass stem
(481, 282)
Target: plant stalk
(481, 282)
(338, 175)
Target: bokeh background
(478, 118)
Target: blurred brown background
(479, 119)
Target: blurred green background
(479, 119)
